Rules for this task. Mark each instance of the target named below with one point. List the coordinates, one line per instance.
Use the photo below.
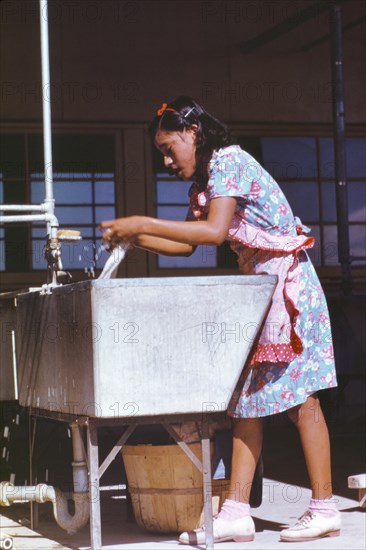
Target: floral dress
(293, 356)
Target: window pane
(176, 213)
(303, 198)
(172, 191)
(326, 157)
(290, 157)
(65, 192)
(355, 157)
(39, 232)
(329, 201)
(103, 213)
(357, 236)
(330, 245)
(357, 201)
(74, 214)
(104, 192)
(203, 256)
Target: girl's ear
(193, 130)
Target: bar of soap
(68, 235)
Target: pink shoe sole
(305, 539)
(248, 538)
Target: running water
(111, 266)
(86, 253)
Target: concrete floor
(285, 497)
(270, 518)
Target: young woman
(234, 198)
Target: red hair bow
(164, 107)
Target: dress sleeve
(233, 174)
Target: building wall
(113, 62)
(117, 60)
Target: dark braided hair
(179, 115)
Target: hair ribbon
(164, 107)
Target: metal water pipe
(41, 493)
(47, 208)
(46, 105)
(340, 147)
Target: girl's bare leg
(247, 445)
(313, 431)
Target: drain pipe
(42, 493)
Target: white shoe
(312, 526)
(238, 530)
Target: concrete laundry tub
(138, 347)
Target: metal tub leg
(94, 492)
(207, 487)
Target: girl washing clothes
(233, 198)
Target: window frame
(136, 196)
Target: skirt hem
(276, 407)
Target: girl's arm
(163, 246)
(211, 231)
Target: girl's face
(179, 150)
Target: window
(171, 204)
(84, 191)
(304, 169)
(82, 202)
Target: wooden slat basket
(166, 487)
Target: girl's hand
(121, 230)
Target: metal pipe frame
(46, 102)
(96, 470)
(29, 218)
(340, 148)
(48, 207)
(22, 208)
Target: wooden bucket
(166, 488)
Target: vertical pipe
(15, 372)
(80, 472)
(94, 491)
(46, 103)
(339, 147)
(207, 484)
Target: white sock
(232, 510)
(326, 507)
